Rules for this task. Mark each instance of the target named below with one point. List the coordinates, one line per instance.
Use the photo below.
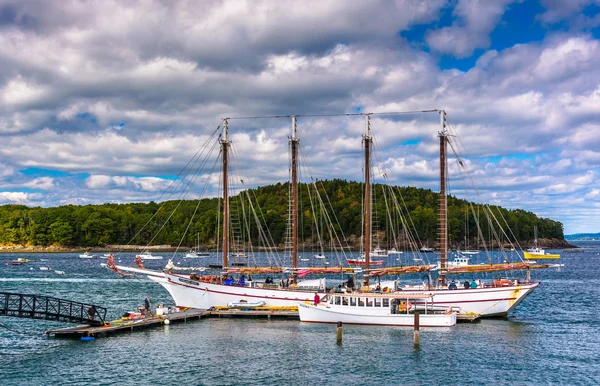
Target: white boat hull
(198, 294)
(325, 313)
(485, 302)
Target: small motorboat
(44, 268)
(86, 255)
(59, 272)
(20, 261)
(148, 256)
(244, 304)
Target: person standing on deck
(317, 299)
(350, 283)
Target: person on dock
(147, 305)
(92, 312)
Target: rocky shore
(355, 244)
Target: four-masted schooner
(491, 299)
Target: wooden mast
(294, 141)
(443, 203)
(367, 199)
(224, 149)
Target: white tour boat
(87, 255)
(395, 309)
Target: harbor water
(553, 337)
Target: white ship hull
(485, 302)
(370, 316)
(198, 294)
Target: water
(552, 338)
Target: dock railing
(50, 308)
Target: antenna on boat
(294, 207)
(367, 231)
(224, 149)
(443, 203)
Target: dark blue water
(552, 338)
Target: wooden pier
(119, 326)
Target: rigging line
(197, 206)
(337, 222)
(17, 332)
(195, 157)
(191, 159)
(461, 144)
(268, 242)
(466, 171)
(181, 199)
(187, 188)
(268, 233)
(333, 115)
(414, 227)
(261, 232)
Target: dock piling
(417, 340)
(339, 332)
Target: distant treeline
(583, 236)
(139, 223)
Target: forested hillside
(96, 225)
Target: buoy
(87, 338)
(167, 321)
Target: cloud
(111, 100)
(475, 19)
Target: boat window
(369, 302)
(345, 301)
(353, 302)
(361, 302)
(377, 302)
(386, 302)
(338, 300)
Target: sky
(107, 101)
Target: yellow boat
(539, 254)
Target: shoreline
(544, 243)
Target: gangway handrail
(50, 308)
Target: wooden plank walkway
(154, 321)
(128, 325)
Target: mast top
(444, 132)
(225, 129)
(294, 129)
(367, 125)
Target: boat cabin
(395, 303)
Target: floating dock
(119, 326)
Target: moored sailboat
(188, 290)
